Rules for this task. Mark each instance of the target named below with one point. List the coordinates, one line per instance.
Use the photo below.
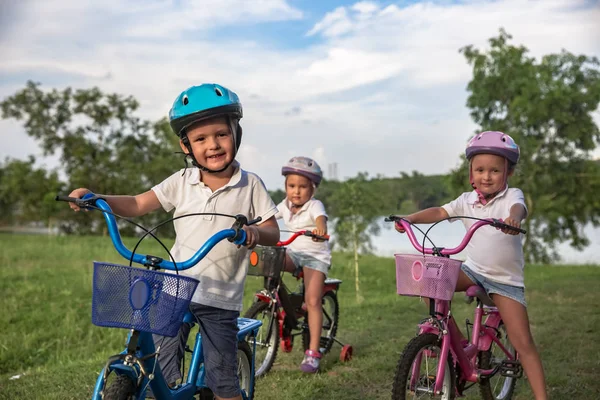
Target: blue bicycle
(148, 301)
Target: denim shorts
(219, 347)
(516, 293)
(303, 260)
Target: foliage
(25, 191)
(356, 209)
(102, 145)
(547, 106)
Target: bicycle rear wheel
(244, 356)
(417, 369)
(498, 387)
(267, 338)
(331, 316)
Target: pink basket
(426, 276)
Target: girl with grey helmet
(301, 211)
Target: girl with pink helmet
(495, 258)
(301, 211)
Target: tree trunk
(359, 298)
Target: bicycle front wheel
(120, 388)
(500, 386)
(416, 372)
(267, 338)
(331, 316)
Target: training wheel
(286, 345)
(346, 353)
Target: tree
(547, 107)
(24, 192)
(102, 144)
(356, 210)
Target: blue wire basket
(141, 299)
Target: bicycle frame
(284, 308)
(141, 363)
(464, 352)
(139, 359)
(279, 296)
(442, 323)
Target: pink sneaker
(310, 364)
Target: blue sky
(371, 86)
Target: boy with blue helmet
(206, 119)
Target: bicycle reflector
(254, 258)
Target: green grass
(47, 338)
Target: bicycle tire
(244, 354)
(488, 386)
(121, 388)
(264, 363)
(404, 368)
(326, 342)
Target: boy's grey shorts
(219, 329)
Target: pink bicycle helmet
(305, 167)
(493, 142)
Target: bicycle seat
(477, 291)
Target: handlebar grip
(500, 224)
(312, 235)
(326, 237)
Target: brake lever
(392, 218)
(238, 225)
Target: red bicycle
(283, 312)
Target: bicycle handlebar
(406, 225)
(235, 234)
(301, 233)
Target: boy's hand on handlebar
(78, 193)
(512, 222)
(252, 236)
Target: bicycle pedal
(511, 369)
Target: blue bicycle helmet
(198, 103)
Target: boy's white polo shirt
(491, 253)
(305, 219)
(222, 272)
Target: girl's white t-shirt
(305, 219)
(492, 253)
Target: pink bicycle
(440, 362)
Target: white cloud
(380, 89)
